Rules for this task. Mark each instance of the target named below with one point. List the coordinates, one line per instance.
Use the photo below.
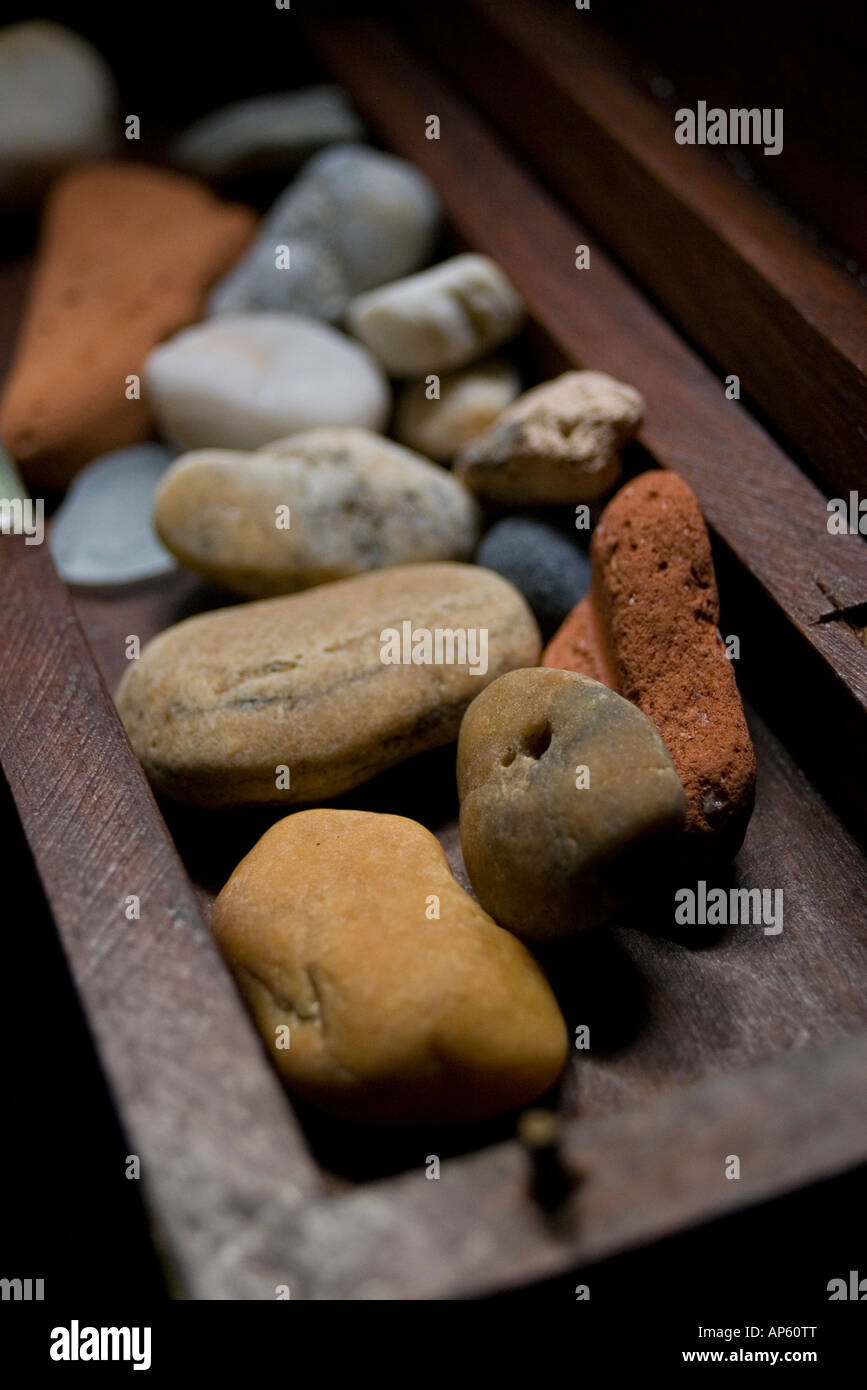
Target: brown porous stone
(648, 629)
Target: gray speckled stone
(269, 132)
(353, 219)
(357, 502)
(550, 572)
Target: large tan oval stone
(224, 707)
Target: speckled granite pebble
(355, 502)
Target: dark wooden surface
(775, 54)
(663, 1013)
(639, 1176)
(220, 1150)
(758, 298)
(224, 1168)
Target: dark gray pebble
(550, 571)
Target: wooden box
(738, 1043)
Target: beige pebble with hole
(546, 855)
(439, 319)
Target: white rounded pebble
(440, 319)
(468, 401)
(57, 107)
(102, 534)
(242, 380)
(267, 132)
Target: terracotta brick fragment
(648, 629)
(126, 256)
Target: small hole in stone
(663, 565)
(508, 757)
(536, 740)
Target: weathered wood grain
(650, 992)
(667, 1005)
(650, 1154)
(640, 1175)
(755, 296)
(820, 173)
(755, 498)
(220, 1151)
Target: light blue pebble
(102, 534)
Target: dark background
(177, 61)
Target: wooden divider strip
(640, 1175)
(221, 1152)
(758, 299)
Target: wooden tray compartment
(737, 1043)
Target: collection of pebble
(272, 358)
